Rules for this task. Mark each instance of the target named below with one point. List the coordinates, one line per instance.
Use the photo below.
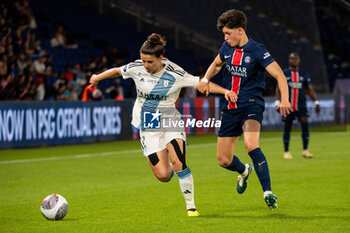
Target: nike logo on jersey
(249, 115)
(227, 56)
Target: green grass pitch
(110, 188)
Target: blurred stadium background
(49, 49)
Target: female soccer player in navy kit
(245, 62)
(299, 85)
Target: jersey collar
(246, 45)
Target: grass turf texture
(110, 188)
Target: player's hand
(284, 108)
(231, 96)
(203, 87)
(317, 109)
(93, 80)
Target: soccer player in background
(299, 85)
(158, 83)
(245, 62)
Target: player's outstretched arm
(111, 73)
(277, 94)
(229, 95)
(275, 71)
(213, 69)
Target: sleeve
(183, 78)
(264, 57)
(189, 80)
(221, 52)
(128, 71)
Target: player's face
(233, 36)
(152, 63)
(294, 60)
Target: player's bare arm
(311, 93)
(230, 96)
(275, 71)
(277, 95)
(111, 73)
(213, 69)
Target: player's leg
(177, 152)
(288, 122)
(159, 163)
(157, 155)
(227, 159)
(305, 136)
(251, 131)
(228, 135)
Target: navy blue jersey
(297, 82)
(244, 73)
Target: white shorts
(152, 142)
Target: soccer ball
(54, 207)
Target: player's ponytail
(154, 45)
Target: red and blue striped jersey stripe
(244, 73)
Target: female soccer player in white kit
(158, 84)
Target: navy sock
(261, 168)
(236, 165)
(305, 134)
(286, 137)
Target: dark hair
(154, 45)
(232, 19)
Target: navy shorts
(296, 114)
(233, 120)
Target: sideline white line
(70, 157)
(139, 151)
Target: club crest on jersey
(301, 78)
(247, 59)
(166, 83)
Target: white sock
(245, 173)
(267, 193)
(187, 189)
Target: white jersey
(154, 91)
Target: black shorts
(233, 120)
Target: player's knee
(164, 179)
(224, 161)
(163, 176)
(251, 146)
